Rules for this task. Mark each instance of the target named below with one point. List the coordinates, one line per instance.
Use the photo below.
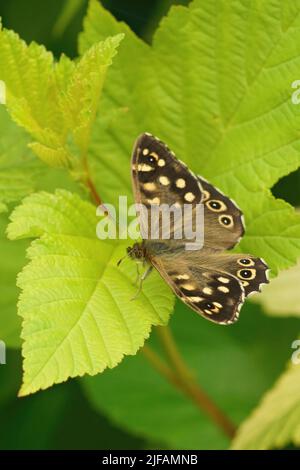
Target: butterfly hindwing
(216, 295)
(252, 272)
(224, 224)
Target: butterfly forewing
(160, 179)
(159, 176)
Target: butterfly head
(137, 251)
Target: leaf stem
(180, 375)
(93, 191)
(89, 183)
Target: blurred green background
(62, 418)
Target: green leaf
(276, 421)
(224, 108)
(19, 171)
(282, 297)
(234, 366)
(55, 102)
(85, 88)
(75, 301)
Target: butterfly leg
(142, 279)
(138, 275)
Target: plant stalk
(189, 385)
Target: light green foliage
(18, 169)
(55, 102)
(75, 303)
(216, 86)
(235, 366)
(276, 421)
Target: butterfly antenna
(122, 259)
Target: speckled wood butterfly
(211, 281)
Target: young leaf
(55, 102)
(75, 301)
(275, 423)
(235, 366)
(224, 108)
(18, 169)
(84, 91)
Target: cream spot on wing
(245, 283)
(164, 180)
(224, 280)
(223, 289)
(188, 286)
(180, 183)
(161, 162)
(217, 304)
(208, 312)
(149, 186)
(195, 299)
(145, 151)
(154, 155)
(205, 195)
(145, 167)
(183, 276)
(155, 200)
(189, 197)
(207, 291)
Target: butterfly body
(212, 281)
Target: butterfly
(211, 281)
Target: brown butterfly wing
(156, 173)
(158, 179)
(215, 295)
(224, 222)
(252, 272)
(213, 284)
